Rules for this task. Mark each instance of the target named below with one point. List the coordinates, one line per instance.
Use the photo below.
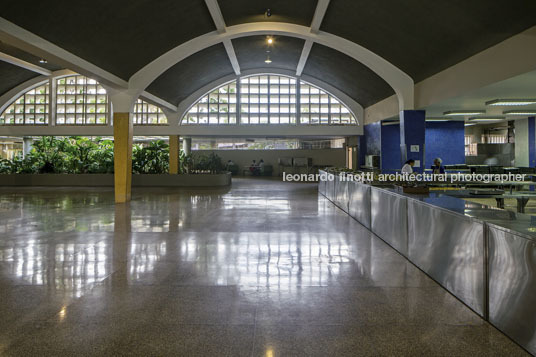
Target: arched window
(216, 107)
(319, 107)
(81, 101)
(31, 108)
(269, 99)
(148, 114)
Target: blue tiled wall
(390, 146)
(445, 140)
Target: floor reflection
(265, 268)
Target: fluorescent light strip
(464, 113)
(511, 102)
(519, 112)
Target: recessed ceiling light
(464, 112)
(270, 40)
(42, 60)
(508, 102)
(519, 112)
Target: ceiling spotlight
(270, 40)
(509, 102)
(42, 60)
(464, 112)
(268, 60)
(268, 13)
(519, 112)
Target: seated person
(261, 167)
(408, 167)
(254, 168)
(436, 167)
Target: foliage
(151, 159)
(80, 155)
(207, 164)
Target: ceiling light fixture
(42, 60)
(437, 119)
(519, 112)
(268, 60)
(270, 40)
(268, 13)
(486, 119)
(464, 112)
(509, 102)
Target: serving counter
(484, 256)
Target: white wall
(522, 142)
(334, 157)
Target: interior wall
(243, 158)
(390, 148)
(522, 142)
(445, 140)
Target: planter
(107, 180)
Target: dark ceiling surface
(294, 11)
(420, 37)
(191, 74)
(423, 38)
(120, 36)
(11, 76)
(251, 52)
(25, 56)
(347, 75)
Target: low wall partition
(107, 180)
(484, 256)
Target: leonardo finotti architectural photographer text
(398, 177)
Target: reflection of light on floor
(62, 313)
(280, 260)
(269, 352)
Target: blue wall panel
(372, 138)
(445, 140)
(390, 144)
(412, 133)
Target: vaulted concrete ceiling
(25, 56)
(191, 74)
(294, 11)
(420, 37)
(120, 36)
(11, 76)
(425, 37)
(252, 52)
(346, 74)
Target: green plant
(151, 159)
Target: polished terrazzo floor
(262, 269)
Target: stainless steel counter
(484, 256)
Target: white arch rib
(401, 82)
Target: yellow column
(174, 154)
(122, 156)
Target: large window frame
(278, 99)
(30, 108)
(146, 114)
(71, 100)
